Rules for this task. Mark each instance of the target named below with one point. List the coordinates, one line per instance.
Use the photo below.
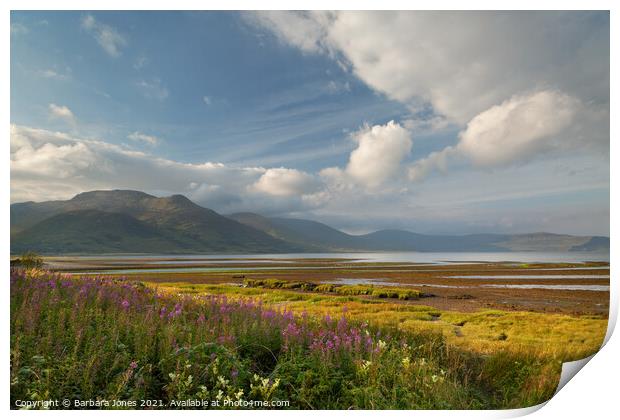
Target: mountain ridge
(128, 221)
(186, 226)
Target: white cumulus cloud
(377, 158)
(48, 165)
(520, 129)
(286, 182)
(435, 160)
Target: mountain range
(123, 221)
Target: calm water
(533, 276)
(381, 282)
(283, 261)
(191, 270)
(405, 257)
(210, 261)
(591, 287)
(601, 267)
(354, 282)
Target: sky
(435, 122)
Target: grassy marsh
(107, 337)
(558, 336)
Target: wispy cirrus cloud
(140, 62)
(18, 28)
(144, 138)
(108, 37)
(153, 89)
(54, 74)
(61, 112)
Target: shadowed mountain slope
(180, 225)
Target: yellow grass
(551, 336)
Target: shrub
(29, 260)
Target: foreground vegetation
(95, 338)
(543, 335)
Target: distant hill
(139, 223)
(123, 221)
(315, 234)
(596, 243)
(393, 240)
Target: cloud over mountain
(52, 165)
(286, 182)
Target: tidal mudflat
(576, 284)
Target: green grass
(94, 339)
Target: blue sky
(423, 121)
(265, 103)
